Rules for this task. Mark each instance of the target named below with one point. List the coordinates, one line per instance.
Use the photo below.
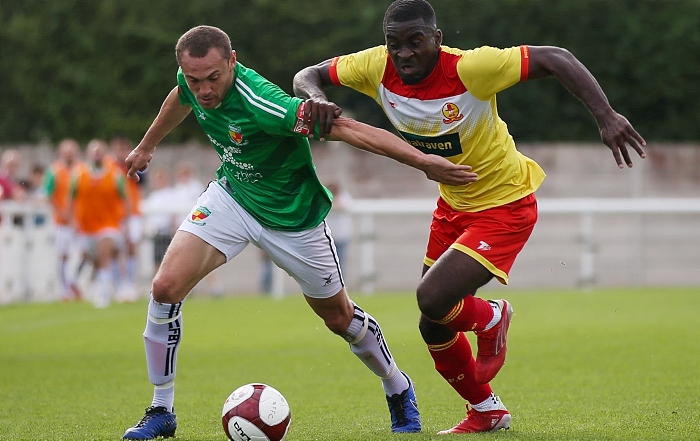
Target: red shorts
(493, 237)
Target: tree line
(86, 68)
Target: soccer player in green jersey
(266, 192)
(443, 100)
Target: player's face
(413, 48)
(97, 151)
(68, 151)
(209, 78)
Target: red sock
(455, 362)
(470, 314)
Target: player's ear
(232, 61)
(438, 37)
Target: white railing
(28, 261)
(586, 208)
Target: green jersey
(266, 163)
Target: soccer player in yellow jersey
(443, 101)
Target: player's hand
(442, 170)
(322, 111)
(617, 133)
(138, 160)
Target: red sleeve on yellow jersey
(362, 71)
(524, 62)
(333, 70)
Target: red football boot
(491, 344)
(488, 421)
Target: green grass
(601, 365)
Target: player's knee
(164, 290)
(337, 323)
(434, 333)
(429, 302)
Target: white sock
(65, 293)
(164, 395)
(162, 339)
(491, 403)
(131, 269)
(371, 348)
(116, 271)
(104, 288)
(496, 315)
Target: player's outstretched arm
(171, 113)
(384, 143)
(615, 131)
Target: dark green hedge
(88, 68)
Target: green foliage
(599, 365)
(88, 68)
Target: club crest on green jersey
(236, 135)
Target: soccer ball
(256, 412)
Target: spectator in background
(133, 224)
(10, 188)
(57, 182)
(340, 221)
(160, 224)
(9, 164)
(99, 201)
(31, 192)
(35, 181)
(187, 188)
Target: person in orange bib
(133, 223)
(99, 204)
(57, 183)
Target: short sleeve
(486, 71)
(362, 71)
(276, 111)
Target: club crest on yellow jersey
(451, 113)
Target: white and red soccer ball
(256, 412)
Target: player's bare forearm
(384, 143)
(615, 130)
(560, 63)
(171, 114)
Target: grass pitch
(601, 365)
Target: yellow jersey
(452, 113)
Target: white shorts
(88, 242)
(134, 227)
(308, 256)
(64, 239)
